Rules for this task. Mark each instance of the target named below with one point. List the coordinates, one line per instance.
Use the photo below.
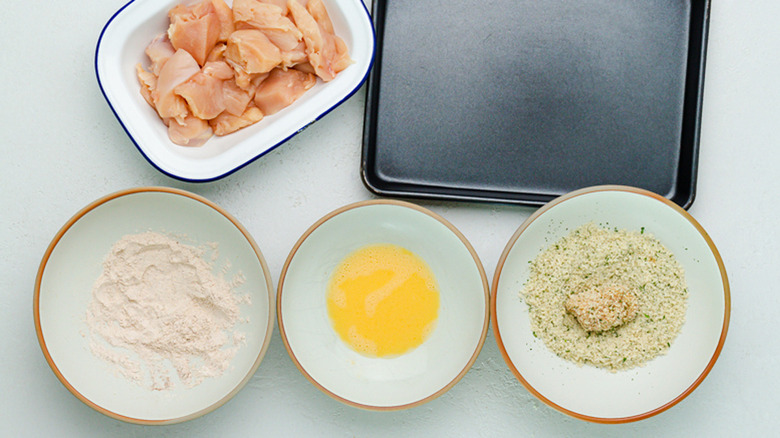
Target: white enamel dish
(72, 263)
(383, 383)
(591, 393)
(121, 46)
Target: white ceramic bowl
(121, 46)
(587, 392)
(383, 383)
(72, 263)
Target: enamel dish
(403, 381)
(74, 260)
(121, 46)
(596, 394)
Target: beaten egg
(383, 300)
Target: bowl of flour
(153, 305)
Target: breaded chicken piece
(604, 308)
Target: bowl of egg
(204, 87)
(383, 305)
(610, 304)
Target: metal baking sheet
(520, 101)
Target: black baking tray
(520, 101)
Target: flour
(159, 311)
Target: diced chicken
(217, 53)
(158, 51)
(291, 48)
(218, 69)
(252, 51)
(295, 56)
(324, 53)
(204, 91)
(179, 68)
(236, 99)
(305, 67)
(285, 40)
(281, 88)
(225, 16)
(191, 131)
(195, 29)
(281, 3)
(244, 79)
(148, 83)
(257, 13)
(270, 19)
(317, 10)
(342, 60)
(227, 123)
(603, 308)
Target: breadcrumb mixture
(613, 270)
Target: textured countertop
(62, 148)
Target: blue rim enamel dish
(121, 46)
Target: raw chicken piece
(252, 51)
(243, 79)
(204, 91)
(179, 68)
(325, 55)
(236, 98)
(270, 19)
(158, 51)
(218, 69)
(285, 40)
(227, 123)
(281, 3)
(257, 80)
(281, 88)
(148, 83)
(342, 60)
(305, 67)
(191, 131)
(195, 29)
(257, 13)
(225, 16)
(295, 56)
(217, 53)
(317, 10)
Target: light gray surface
(62, 148)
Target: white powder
(158, 309)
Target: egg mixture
(383, 300)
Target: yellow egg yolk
(383, 300)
